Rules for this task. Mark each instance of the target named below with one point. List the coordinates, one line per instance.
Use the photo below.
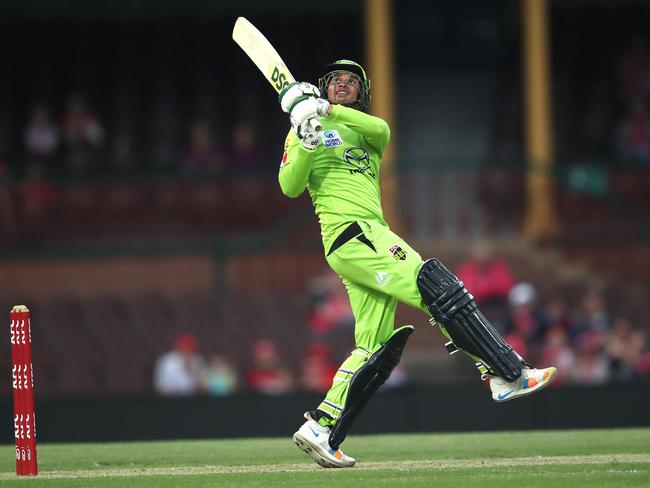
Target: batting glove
(308, 109)
(295, 93)
(309, 138)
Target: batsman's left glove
(296, 92)
(308, 109)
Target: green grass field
(594, 458)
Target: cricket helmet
(351, 67)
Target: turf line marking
(373, 466)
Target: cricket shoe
(530, 381)
(313, 438)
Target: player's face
(343, 87)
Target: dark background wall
(449, 409)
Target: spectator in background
(643, 366)
(219, 377)
(592, 314)
(557, 348)
(83, 135)
(178, 372)
(634, 132)
(524, 321)
(244, 154)
(488, 276)
(267, 373)
(556, 314)
(331, 308)
(633, 137)
(625, 347)
(634, 70)
(591, 365)
(202, 154)
(41, 135)
(318, 369)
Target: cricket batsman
(340, 165)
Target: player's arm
(296, 165)
(300, 101)
(375, 130)
(304, 107)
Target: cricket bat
(265, 57)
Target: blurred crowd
(77, 145)
(607, 117)
(184, 371)
(77, 142)
(633, 128)
(601, 103)
(588, 343)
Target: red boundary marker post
(23, 390)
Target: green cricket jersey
(342, 173)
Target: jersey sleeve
(375, 130)
(295, 167)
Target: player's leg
(396, 269)
(381, 260)
(377, 352)
(454, 309)
(374, 315)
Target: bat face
(265, 57)
(262, 53)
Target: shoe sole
(315, 453)
(529, 391)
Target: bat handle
(315, 124)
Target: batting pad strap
(332, 409)
(343, 375)
(451, 348)
(367, 380)
(364, 353)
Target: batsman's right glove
(309, 137)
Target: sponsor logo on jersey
(331, 138)
(398, 253)
(357, 157)
(383, 278)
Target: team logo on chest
(357, 157)
(398, 253)
(331, 138)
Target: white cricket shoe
(530, 381)
(313, 438)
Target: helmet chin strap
(343, 102)
(346, 103)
